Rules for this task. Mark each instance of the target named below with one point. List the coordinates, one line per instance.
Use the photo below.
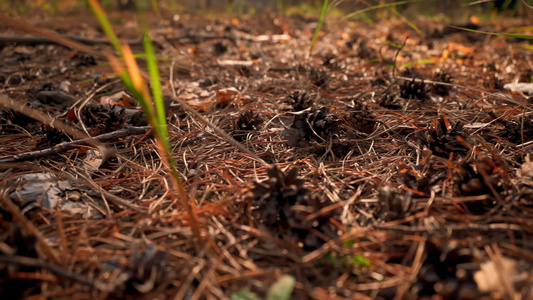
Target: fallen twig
(73, 144)
(35, 263)
(38, 115)
(34, 40)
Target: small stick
(33, 40)
(38, 115)
(36, 263)
(111, 136)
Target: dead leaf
(489, 278)
(121, 98)
(520, 87)
(526, 170)
(227, 96)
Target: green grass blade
(360, 261)
(244, 294)
(411, 24)
(135, 84)
(413, 63)
(513, 35)
(155, 83)
(385, 5)
(321, 19)
(106, 26)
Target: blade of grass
(413, 63)
(155, 83)
(135, 83)
(155, 110)
(321, 19)
(160, 120)
(513, 35)
(385, 5)
(411, 24)
(106, 25)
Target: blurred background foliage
(449, 8)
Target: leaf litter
(388, 177)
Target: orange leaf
(227, 96)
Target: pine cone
(52, 136)
(439, 89)
(514, 129)
(245, 123)
(413, 90)
(324, 125)
(443, 141)
(276, 195)
(494, 83)
(439, 273)
(103, 118)
(420, 184)
(392, 205)
(318, 77)
(318, 125)
(147, 270)
(470, 182)
(362, 119)
(389, 101)
(284, 204)
(11, 117)
(300, 101)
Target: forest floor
(398, 162)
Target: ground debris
(377, 167)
